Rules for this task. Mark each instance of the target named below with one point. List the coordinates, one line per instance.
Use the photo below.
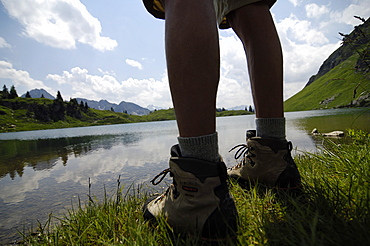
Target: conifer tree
(5, 93)
(13, 93)
(59, 96)
(250, 108)
(58, 108)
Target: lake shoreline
(102, 117)
(160, 115)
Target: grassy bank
(337, 88)
(20, 119)
(333, 211)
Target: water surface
(43, 172)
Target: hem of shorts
(240, 4)
(233, 7)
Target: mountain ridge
(123, 107)
(38, 93)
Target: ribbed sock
(202, 147)
(270, 128)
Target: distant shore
(17, 117)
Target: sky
(114, 49)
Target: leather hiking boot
(198, 202)
(266, 161)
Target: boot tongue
(175, 151)
(201, 169)
(274, 144)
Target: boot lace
(243, 154)
(161, 175)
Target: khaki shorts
(222, 8)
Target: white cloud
(315, 11)
(295, 2)
(233, 60)
(4, 44)
(59, 23)
(94, 87)
(304, 48)
(301, 30)
(19, 77)
(134, 63)
(86, 85)
(234, 86)
(292, 88)
(107, 72)
(303, 60)
(346, 16)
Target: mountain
(123, 107)
(240, 107)
(343, 79)
(37, 93)
(152, 107)
(131, 108)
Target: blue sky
(114, 50)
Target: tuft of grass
(115, 220)
(333, 210)
(335, 207)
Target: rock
(333, 134)
(315, 132)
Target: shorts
(222, 8)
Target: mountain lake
(46, 172)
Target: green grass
(338, 84)
(334, 210)
(232, 113)
(17, 120)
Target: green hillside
(343, 80)
(339, 87)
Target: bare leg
(254, 26)
(192, 53)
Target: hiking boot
(266, 161)
(198, 202)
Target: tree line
(6, 94)
(45, 112)
(249, 109)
